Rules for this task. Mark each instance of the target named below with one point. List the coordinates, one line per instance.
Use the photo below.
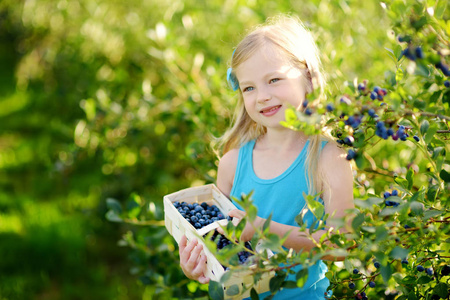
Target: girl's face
(269, 85)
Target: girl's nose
(263, 95)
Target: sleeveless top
(282, 197)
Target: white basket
(178, 226)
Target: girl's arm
(337, 197)
(226, 171)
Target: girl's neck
(282, 140)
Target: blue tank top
(282, 197)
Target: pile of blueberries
(199, 215)
(222, 242)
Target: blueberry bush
(107, 106)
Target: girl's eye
(248, 89)
(274, 80)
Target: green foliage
(106, 106)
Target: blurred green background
(120, 99)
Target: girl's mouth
(270, 111)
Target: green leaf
(431, 213)
(381, 233)
(399, 253)
(232, 290)
(254, 294)
(424, 126)
(276, 282)
(290, 284)
(358, 221)
(386, 272)
(412, 295)
(432, 192)
(112, 216)
(314, 206)
(114, 205)
(215, 290)
(444, 175)
(399, 75)
(266, 225)
(410, 178)
(430, 134)
(441, 289)
(302, 277)
(226, 276)
(424, 280)
(417, 208)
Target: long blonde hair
(288, 37)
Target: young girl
(274, 68)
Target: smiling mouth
(270, 109)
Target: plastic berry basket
(178, 226)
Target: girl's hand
(193, 260)
(249, 229)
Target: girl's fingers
(193, 259)
(236, 213)
(185, 253)
(200, 268)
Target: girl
(273, 68)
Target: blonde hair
(289, 38)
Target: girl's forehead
(265, 58)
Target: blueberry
(377, 265)
(308, 111)
(220, 216)
(416, 138)
(447, 83)
(389, 203)
(349, 140)
(386, 195)
(305, 103)
(404, 261)
(377, 89)
(194, 219)
(429, 271)
(406, 226)
(394, 193)
(445, 270)
(390, 132)
(351, 154)
(198, 208)
(373, 95)
(361, 86)
(372, 284)
(355, 271)
(351, 285)
(420, 268)
(330, 107)
(444, 68)
(419, 53)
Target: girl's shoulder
(332, 156)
